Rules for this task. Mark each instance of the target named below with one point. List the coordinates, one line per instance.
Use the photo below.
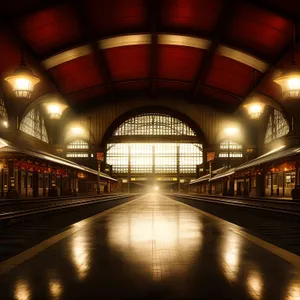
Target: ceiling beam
(87, 30)
(223, 23)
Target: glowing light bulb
(23, 83)
(255, 109)
(5, 124)
(77, 130)
(230, 131)
(294, 83)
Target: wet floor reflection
(166, 238)
(255, 284)
(22, 290)
(231, 247)
(80, 253)
(293, 289)
(178, 250)
(55, 289)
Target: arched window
(78, 149)
(235, 149)
(154, 124)
(277, 126)
(33, 124)
(144, 152)
(3, 113)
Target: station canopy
(95, 51)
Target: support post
(178, 168)
(98, 177)
(129, 169)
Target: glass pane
(33, 124)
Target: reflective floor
(153, 248)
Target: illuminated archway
(154, 143)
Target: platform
(152, 248)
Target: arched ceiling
(205, 50)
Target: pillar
(272, 192)
(12, 192)
(260, 184)
(129, 169)
(178, 167)
(35, 183)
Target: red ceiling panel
(128, 62)
(176, 86)
(178, 62)
(260, 31)
(200, 15)
(271, 89)
(77, 74)
(230, 75)
(114, 16)
(133, 86)
(13, 7)
(286, 6)
(50, 28)
(91, 94)
(11, 55)
(219, 95)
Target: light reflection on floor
(156, 237)
(167, 242)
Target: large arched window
(277, 126)
(154, 144)
(154, 124)
(33, 124)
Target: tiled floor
(153, 248)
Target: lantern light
(55, 110)
(253, 105)
(289, 80)
(255, 109)
(5, 123)
(231, 131)
(290, 83)
(23, 81)
(77, 131)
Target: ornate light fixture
(77, 131)
(254, 107)
(23, 80)
(231, 131)
(55, 110)
(289, 80)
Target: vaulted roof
(92, 51)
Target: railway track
(11, 212)
(283, 208)
(24, 228)
(274, 221)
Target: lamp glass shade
(255, 109)
(23, 82)
(289, 82)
